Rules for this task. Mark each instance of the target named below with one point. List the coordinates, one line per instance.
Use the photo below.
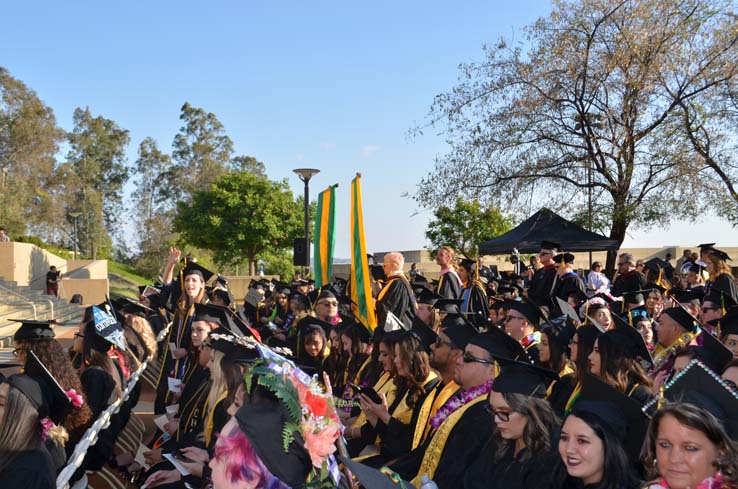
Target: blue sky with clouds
(329, 85)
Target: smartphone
(181, 457)
(368, 392)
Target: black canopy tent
(546, 225)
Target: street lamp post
(75, 215)
(305, 175)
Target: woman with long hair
(394, 421)
(520, 448)
(600, 439)
(654, 303)
(721, 280)
(313, 349)
(616, 359)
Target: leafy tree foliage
(592, 102)
(250, 164)
(465, 225)
(240, 217)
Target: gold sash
(209, 421)
(433, 453)
(430, 407)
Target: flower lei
(715, 482)
(459, 401)
(311, 413)
(46, 425)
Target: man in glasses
(543, 280)
(396, 295)
(522, 323)
(628, 279)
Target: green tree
(588, 104)
(29, 140)
(201, 150)
(95, 173)
(240, 217)
(465, 225)
(250, 164)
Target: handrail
(27, 300)
(90, 437)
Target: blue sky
(329, 85)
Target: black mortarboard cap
(617, 411)
(460, 334)
(54, 398)
(653, 286)
(424, 332)
(371, 478)
(686, 296)
(209, 313)
(427, 296)
(728, 324)
(467, 263)
(716, 355)
(656, 264)
(523, 378)
(696, 268)
(560, 331)
(706, 246)
(499, 345)
(132, 306)
(450, 306)
(629, 342)
(633, 297)
(193, 268)
(700, 386)
(530, 311)
(565, 257)
(682, 317)
(107, 327)
(232, 348)
(32, 330)
(550, 245)
(420, 279)
(262, 423)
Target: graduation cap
(564, 257)
(560, 331)
(32, 330)
(460, 333)
(706, 246)
(467, 264)
(193, 268)
(728, 324)
(427, 296)
(420, 280)
(219, 315)
(713, 353)
(628, 342)
(499, 344)
(550, 245)
(529, 311)
(233, 348)
(450, 306)
(701, 387)
(108, 330)
(132, 306)
(54, 396)
(687, 296)
(618, 412)
(656, 264)
(371, 478)
(634, 297)
(523, 378)
(426, 335)
(283, 288)
(393, 323)
(720, 254)
(682, 317)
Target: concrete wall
(239, 285)
(93, 290)
(80, 269)
(27, 264)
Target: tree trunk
(617, 231)
(252, 265)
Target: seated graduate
(519, 453)
(39, 336)
(314, 348)
(601, 438)
(554, 348)
(691, 440)
(30, 404)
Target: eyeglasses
(509, 317)
(707, 309)
(440, 342)
(469, 358)
(328, 303)
(501, 415)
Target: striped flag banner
(361, 287)
(324, 237)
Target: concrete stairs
(18, 302)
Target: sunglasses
(469, 358)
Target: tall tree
(587, 106)
(250, 164)
(201, 150)
(241, 216)
(465, 225)
(29, 140)
(96, 173)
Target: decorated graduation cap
(701, 387)
(618, 412)
(32, 330)
(371, 478)
(460, 333)
(523, 378)
(564, 257)
(682, 317)
(108, 330)
(720, 254)
(550, 245)
(238, 350)
(528, 310)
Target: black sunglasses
(469, 358)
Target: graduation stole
(433, 453)
(443, 275)
(209, 421)
(531, 340)
(430, 407)
(190, 409)
(662, 356)
(573, 398)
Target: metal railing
(26, 300)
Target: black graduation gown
(560, 394)
(628, 282)
(510, 472)
(29, 470)
(725, 284)
(462, 447)
(477, 302)
(449, 286)
(566, 285)
(541, 286)
(396, 297)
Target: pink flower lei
(459, 401)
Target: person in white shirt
(597, 281)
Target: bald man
(396, 295)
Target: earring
(655, 462)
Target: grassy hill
(123, 281)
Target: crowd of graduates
(479, 379)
